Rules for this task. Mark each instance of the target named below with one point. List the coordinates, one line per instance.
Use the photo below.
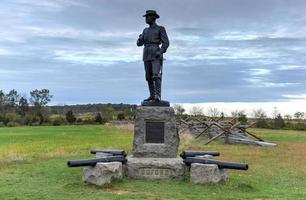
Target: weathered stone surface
(166, 148)
(206, 173)
(155, 168)
(102, 173)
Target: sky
(225, 52)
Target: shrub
(70, 117)
(79, 121)
(120, 116)
(35, 124)
(99, 119)
(89, 119)
(28, 119)
(261, 123)
(300, 126)
(12, 124)
(279, 122)
(58, 120)
(35, 119)
(2, 124)
(289, 125)
(10, 117)
(242, 118)
(2, 118)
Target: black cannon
(94, 161)
(119, 152)
(221, 164)
(186, 154)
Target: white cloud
(5, 52)
(291, 67)
(295, 96)
(186, 38)
(100, 56)
(259, 72)
(54, 5)
(226, 52)
(257, 82)
(279, 32)
(70, 32)
(236, 35)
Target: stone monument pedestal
(155, 145)
(155, 133)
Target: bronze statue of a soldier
(152, 37)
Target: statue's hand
(140, 36)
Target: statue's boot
(151, 89)
(157, 89)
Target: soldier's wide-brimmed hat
(151, 12)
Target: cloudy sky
(220, 50)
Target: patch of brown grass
(121, 192)
(186, 141)
(12, 157)
(129, 126)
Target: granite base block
(155, 168)
(206, 173)
(102, 173)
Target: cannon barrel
(119, 152)
(186, 154)
(221, 164)
(93, 162)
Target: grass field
(33, 166)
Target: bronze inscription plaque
(154, 132)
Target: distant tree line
(17, 110)
(277, 121)
(92, 108)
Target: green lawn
(33, 166)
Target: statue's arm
(164, 40)
(140, 40)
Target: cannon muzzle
(93, 162)
(119, 152)
(186, 154)
(221, 164)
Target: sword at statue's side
(161, 75)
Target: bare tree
(259, 113)
(213, 112)
(178, 109)
(240, 115)
(275, 113)
(196, 110)
(261, 118)
(235, 114)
